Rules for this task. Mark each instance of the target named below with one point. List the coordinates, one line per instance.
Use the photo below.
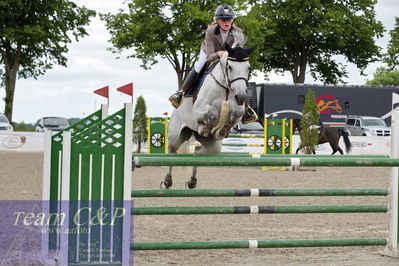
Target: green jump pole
(242, 145)
(275, 161)
(256, 209)
(246, 154)
(246, 136)
(260, 244)
(260, 192)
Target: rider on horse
(221, 31)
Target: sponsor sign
(22, 141)
(327, 104)
(13, 142)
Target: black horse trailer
(335, 102)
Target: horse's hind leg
(175, 141)
(208, 146)
(167, 182)
(192, 183)
(335, 148)
(299, 148)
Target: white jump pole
(45, 257)
(392, 249)
(65, 196)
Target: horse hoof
(165, 184)
(191, 184)
(204, 131)
(224, 131)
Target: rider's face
(225, 24)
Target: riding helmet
(224, 12)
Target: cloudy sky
(68, 92)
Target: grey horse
(218, 107)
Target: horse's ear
(228, 48)
(251, 49)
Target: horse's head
(236, 65)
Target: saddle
(195, 87)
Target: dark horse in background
(327, 134)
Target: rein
(227, 86)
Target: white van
(52, 123)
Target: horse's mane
(239, 39)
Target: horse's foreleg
(206, 115)
(204, 130)
(167, 183)
(192, 183)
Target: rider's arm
(209, 44)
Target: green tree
(33, 37)
(172, 30)
(385, 76)
(22, 126)
(392, 55)
(389, 74)
(140, 123)
(310, 118)
(304, 36)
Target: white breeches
(201, 61)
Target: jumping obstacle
(238, 154)
(157, 128)
(87, 169)
(236, 144)
(246, 136)
(261, 244)
(256, 209)
(264, 161)
(277, 136)
(94, 163)
(258, 193)
(266, 192)
(258, 160)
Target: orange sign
(327, 103)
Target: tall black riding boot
(176, 98)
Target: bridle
(227, 84)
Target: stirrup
(174, 99)
(249, 116)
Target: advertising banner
(22, 141)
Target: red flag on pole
(126, 89)
(166, 113)
(103, 92)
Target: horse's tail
(348, 144)
(296, 124)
